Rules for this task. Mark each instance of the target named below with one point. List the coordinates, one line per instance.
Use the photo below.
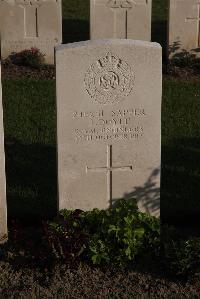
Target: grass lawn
(30, 125)
(30, 131)
(181, 151)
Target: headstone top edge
(101, 42)
(93, 1)
(189, 1)
(28, 1)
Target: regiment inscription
(109, 125)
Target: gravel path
(87, 282)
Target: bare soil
(27, 271)
(178, 73)
(89, 282)
(12, 71)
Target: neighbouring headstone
(184, 27)
(129, 19)
(3, 209)
(30, 23)
(109, 123)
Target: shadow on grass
(180, 192)
(31, 181)
(75, 31)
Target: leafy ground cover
(125, 246)
(51, 264)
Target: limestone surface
(30, 23)
(109, 123)
(3, 209)
(184, 27)
(127, 19)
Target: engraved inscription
(109, 169)
(116, 125)
(109, 133)
(109, 80)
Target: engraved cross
(196, 19)
(122, 7)
(109, 169)
(30, 8)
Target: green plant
(185, 59)
(28, 57)
(67, 239)
(182, 256)
(116, 236)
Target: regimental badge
(109, 80)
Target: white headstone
(3, 210)
(184, 26)
(30, 23)
(109, 123)
(120, 19)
